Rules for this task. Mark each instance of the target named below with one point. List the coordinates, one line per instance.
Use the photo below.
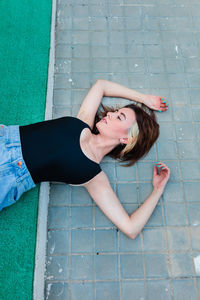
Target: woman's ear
(125, 140)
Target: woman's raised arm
(107, 88)
(112, 89)
(100, 190)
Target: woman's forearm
(112, 89)
(140, 217)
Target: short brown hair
(148, 133)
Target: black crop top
(51, 150)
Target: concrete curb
(40, 254)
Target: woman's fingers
(162, 166)
(163, 104)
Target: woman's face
(116, 124)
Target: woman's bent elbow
(131, 235)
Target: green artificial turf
(24, 54)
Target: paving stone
(101, 220)
(173, 11)
(154, 240)
(153, 50)
(166, 131)
(107, 290)
(151, 23)
(156, 265)
(85, 290)
(61, 36)
(80, 10)
(81, 217)
(175, 214)
(98, 23)
(128, 245)
(145, 171)
(192, 191)
(61, 111)
(184, 289)
(63, 51)
(177, 81)
(62, 81)
(59, 194)
(193, 213)
(180, 96)
(191, 65)
(81, 80)
(82, 241)
(158, 81)
(190, 170)
(185, 131)
(177, 239)
(198, 285)
(62, 65)
(165, 117)
(80, 51)
(127, 192)
(194, 96)
(81, 65)
(99, 51)
(159, 287)
(62, 97)
(82, 267)
(155, 65)
(77, 96)
(59, 217)
(193, 80)
(80, 196)
(151, 155)
(138, 81)
(105, 241)
(174, 65)
(80, 23)
(58, 290)
(196, 113)
(136, 65)
(130, 288)
(126, 174)
(108, 168)
(188, 150)
(57, 268)
(181, 265)
(166, 150)
(182, 113)
(99, 64)
(173, 193)
(58, 242)
(106, 267)
(131, 266)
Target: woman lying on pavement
(70, 149)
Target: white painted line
(197, 264)
(40, 256)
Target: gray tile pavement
(151, 46)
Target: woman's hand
(155, 102)
(160, 178)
